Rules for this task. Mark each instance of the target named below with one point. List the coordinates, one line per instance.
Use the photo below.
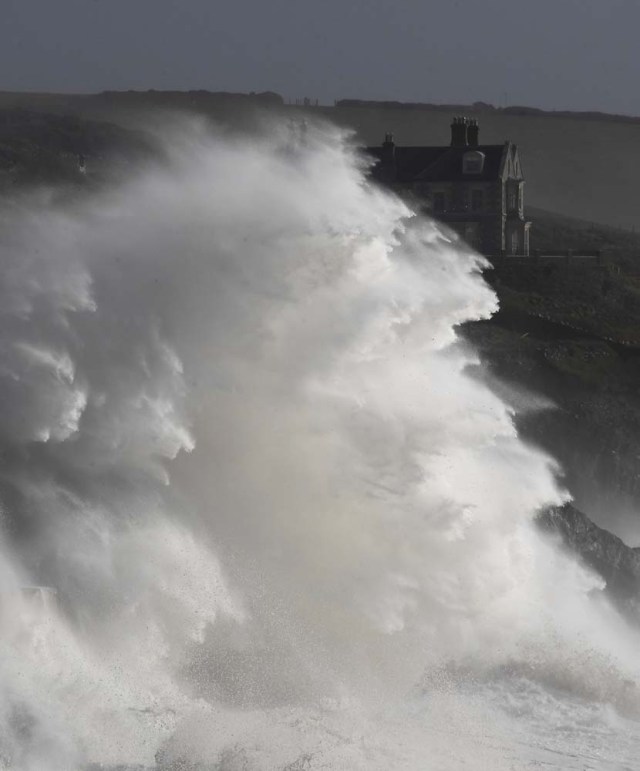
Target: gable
(512, 167)
(516, 163)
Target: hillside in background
(552, 231)
(43, 149)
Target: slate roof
(440, 164)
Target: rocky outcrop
(617, 563)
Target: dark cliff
(615, 562)
(569, 332)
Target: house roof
(439, 164)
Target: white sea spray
(281, 521)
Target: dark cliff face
(564, 351)
(577, 399)
(616, 563)
(571, 335)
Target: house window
(473, 162)
(477, 200)
(513, 199)
(515, 242)
(472, 234)
(438, 201)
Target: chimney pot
(459, 128)
(473, 132)
(388, 153)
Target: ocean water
(256, 512)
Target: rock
(605, 553)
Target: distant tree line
(486, 107)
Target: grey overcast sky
(578, 54)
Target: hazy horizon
(557, 55)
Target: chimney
(459, 132)
(388, 150)
(473, 131)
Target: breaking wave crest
(256, 513)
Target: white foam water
(256, 513)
